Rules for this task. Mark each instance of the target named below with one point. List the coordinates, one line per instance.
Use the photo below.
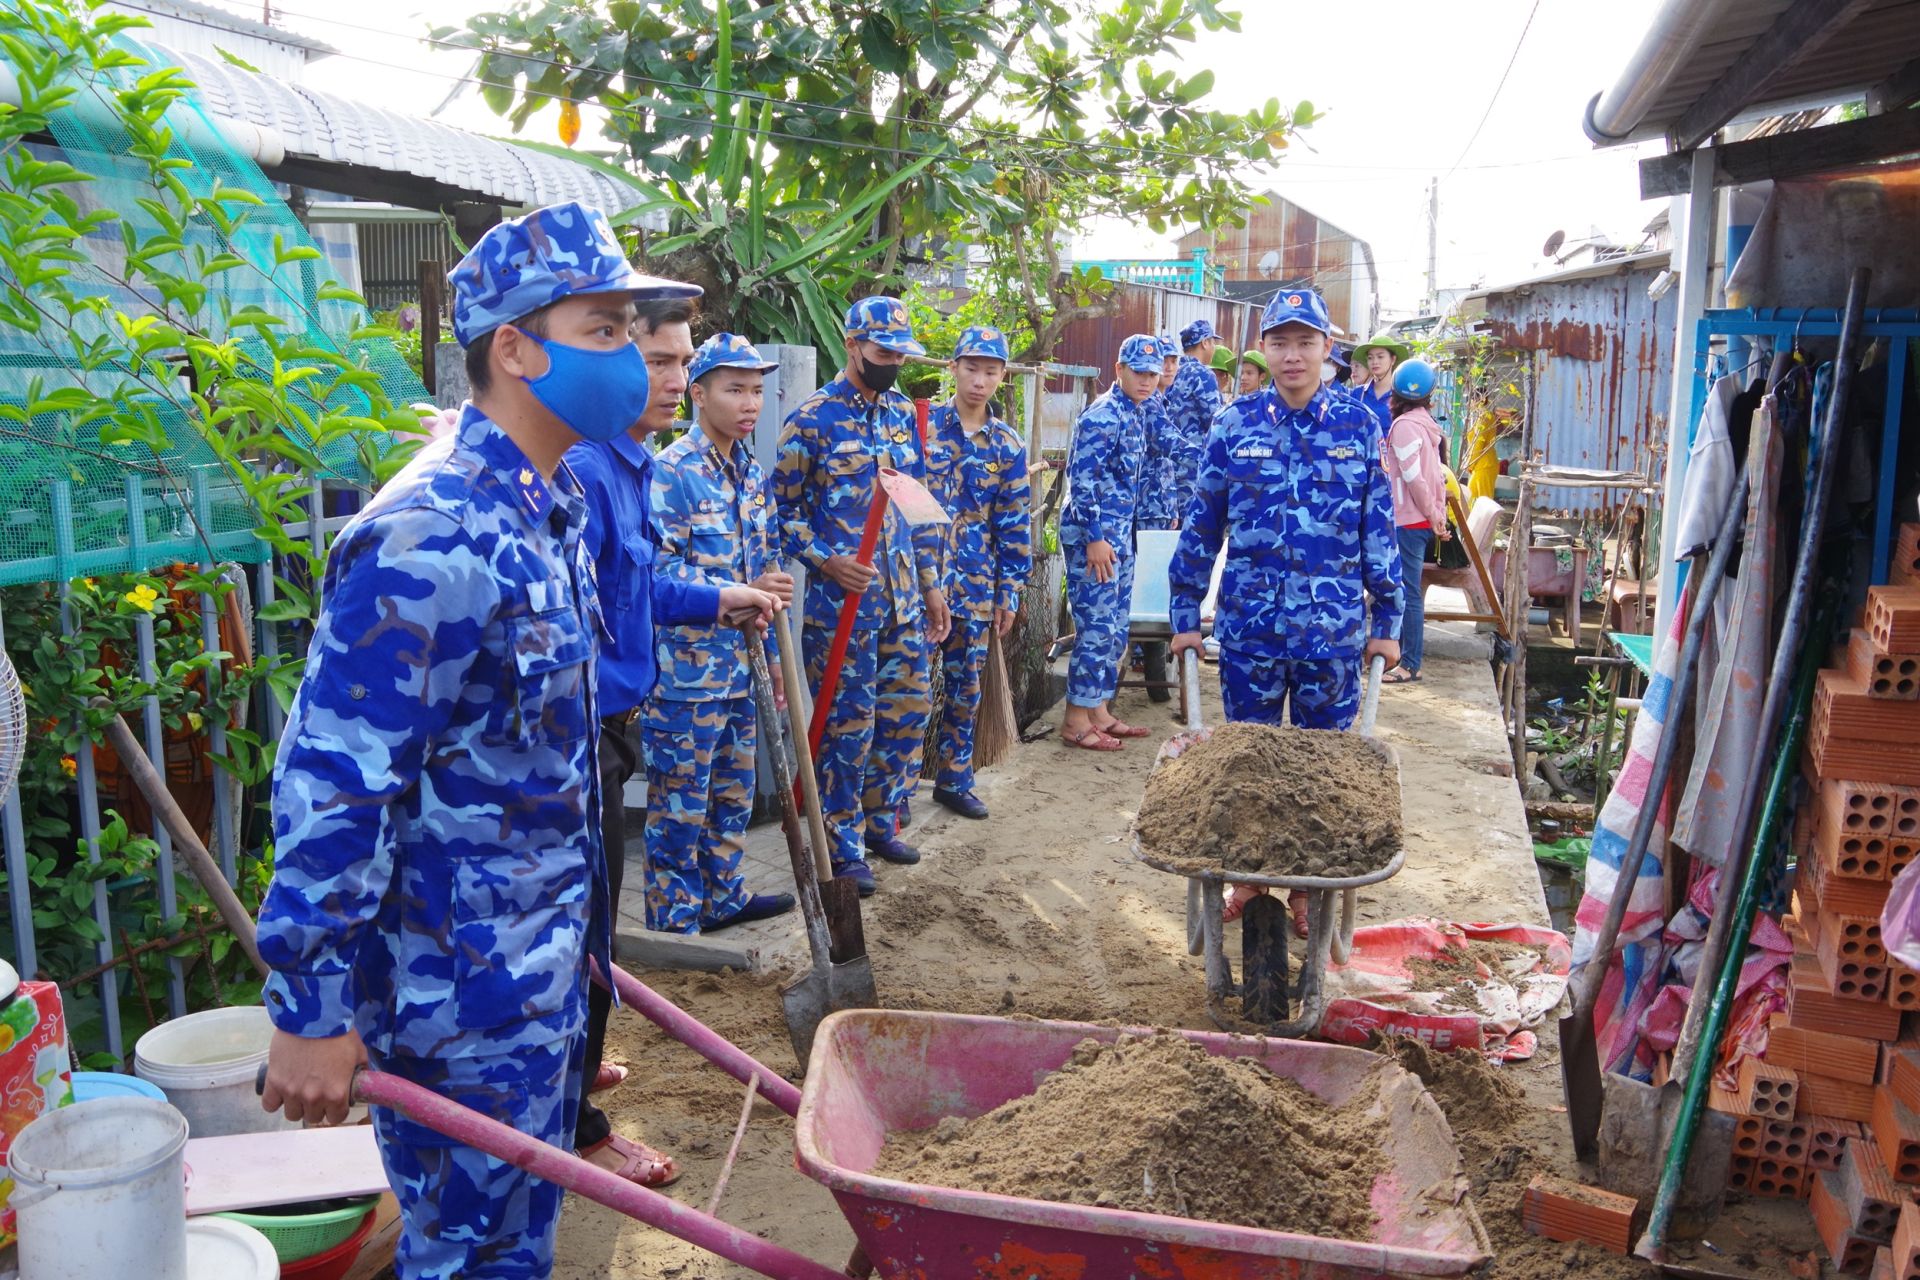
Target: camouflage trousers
(465, 1215)
(699, 797)
(869, 760)
(1323, 694)
(1100, 615)
(962, 656)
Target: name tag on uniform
(849, 446)
(546, 594)
(1254, 451)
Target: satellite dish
(1553, 244)
(1269, 263)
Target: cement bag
(1900, 918)
(1452, 986)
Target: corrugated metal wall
(390, 257)
(1602, 354)
(1306, 248)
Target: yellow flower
(69, 766)
(142, 597)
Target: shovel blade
(912, 500)
(1580, 1076)
(805, 1001)
(1638, 1129)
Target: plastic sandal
(639, 1163)
(1121, 729)
(1101, 742)
(611, 1075)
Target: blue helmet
(982, 342)
(1196, 333)
(1296, 306)
(727, 351)
(883, 322)
(1141, 353)
(1414, 379)
(529, 262)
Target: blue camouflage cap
(883, 321)
(1196, 333)
(526, 263)
(1169, 347)
(1141, 353)
(727, 351)
(1296, 306)
(982, 342)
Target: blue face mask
(598, 394)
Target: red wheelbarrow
(876, 1072)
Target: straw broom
(995, 726)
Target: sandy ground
(1042, 910)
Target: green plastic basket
(298, 1236)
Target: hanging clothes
(1712, 468)
(1728, 725)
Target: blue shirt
(1193, 401)
(1375, 403)
(980, 477)
(438, 877)
(1305, 508)
(621, 538)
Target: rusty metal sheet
(1602, 357)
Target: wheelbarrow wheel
(1153, 663)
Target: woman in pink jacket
(1412, 457)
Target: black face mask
(878, 377)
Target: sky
(1404, 84)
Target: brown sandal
(1101, 742)
(1118, 728)
(611, 1075)
(639, 1163)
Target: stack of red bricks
(1831, 1114)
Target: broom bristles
(995, 726)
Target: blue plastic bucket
(91, 1086)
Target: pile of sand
(1157, 1124)
(1274, 801)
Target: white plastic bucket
(206, 1063)
(100, 1191)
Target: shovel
(826, 987)
(1579, 1053)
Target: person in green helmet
(1222, 363)
(1373, 364)
(1254, 373)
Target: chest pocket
(548, 702)
(1261, 471)
(638, 553)
(710, 540)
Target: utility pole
(1433, 246)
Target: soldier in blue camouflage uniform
(714, 517)
(1192, 402)
(438, 873)
(977, 468)
(1155, 506)
(1293, 485)
(1096, 533)
(831, 451)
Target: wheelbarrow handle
(1370, 701)
(704, 1040)
(1190, 688)
(583, 1177)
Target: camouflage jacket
(831, 450)
(981, 480)
(1306, 511)
(1103, 473)
(438, 877)
(1154, 509)
(1192, 403)
(714, 518)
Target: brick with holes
(1906, 1243)
(1767, 1090)
(1871, 807)
(1820, 1052)
(1868, 1191)
(1561, 1210)
(1879, 673)
(1851, 1252)
(1896, 1131)
(1827, 1138)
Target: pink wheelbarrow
(876, 1072)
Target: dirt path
(1042, 910)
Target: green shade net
(72, 506)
